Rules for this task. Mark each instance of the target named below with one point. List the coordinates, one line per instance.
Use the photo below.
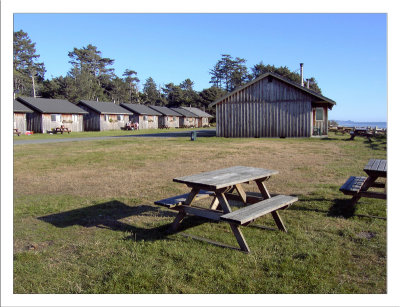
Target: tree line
(92, 77)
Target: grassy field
(84, 219)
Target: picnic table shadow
(108, 215)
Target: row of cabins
(41, 115)
(268, 106)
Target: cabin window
(144, 117)
(319, 114)
(74, 118)
(105, 117)
(120, 118)
(55, 117)
(174, 118)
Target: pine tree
(28, 72)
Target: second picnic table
(224, 185)
(358, 186)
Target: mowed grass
(85, 222)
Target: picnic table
(361, 132)
(131, 126)
(61, 129)
(17, 132)
(358, 186)
(223, 186)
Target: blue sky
(345, 53)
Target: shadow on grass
(339, 208)
(107, 215)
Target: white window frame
(144, 117)
(154, 118)
(316, 114)
(106, 117)
(57, 117)
(74, 118)
(120, 117)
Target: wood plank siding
(145, 121)
(41, 123)
(267, 108)
(20, 122)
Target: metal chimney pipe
(308, 83)
(301, 74)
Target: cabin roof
(47, 105)
(319, 97)
(184, 112)
(103, 107)
(140, 109)
(197, 112)
(21, 108)
(165, 111)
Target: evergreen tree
(28, 72)
(151, 93)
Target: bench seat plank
(249, 213)
(179, 199)
(353, 185)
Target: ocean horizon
(349, 123)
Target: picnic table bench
(61, 129)
(17, 132)
(225, 185)
(131, 126)
(357, 186)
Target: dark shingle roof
(140, 109)
(105, 107)
(165, 111)
(197, 112)
(21, 108)
(46, 105)
(184, 112)
(319, 97)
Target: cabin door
(320, 121)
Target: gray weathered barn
(146, 117)
(202, 118)
(104, 115)
(272, 106)
(20, 111)
(187, 119)
(169, 117)
(52, 113)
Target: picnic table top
(376, 167)
(225, 177)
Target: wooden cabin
(168, 118)
(103, 116)
(146, 117)
(187, 119)
(202, 117)
(49, 114)
(20, 111)
(272, 106)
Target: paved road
(200, 133)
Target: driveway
(200, 133)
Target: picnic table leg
(235, 229)
(263, 188)
(367, 184)
(182, 214)
(275, 214)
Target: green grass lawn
(85, 134)
(85, 222)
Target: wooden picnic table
(224, 185)
(61, 130)
(358, 186)
(361, 132)
(17, 132)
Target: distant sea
(349, 123)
